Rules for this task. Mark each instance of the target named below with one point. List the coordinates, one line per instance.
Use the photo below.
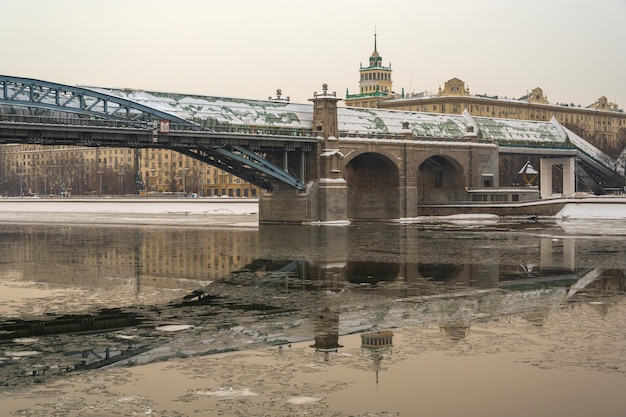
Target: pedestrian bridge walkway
(274, 141)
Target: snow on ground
(133, 211)
(591, 210)
(130, 205)
(234, 211)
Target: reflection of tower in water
(327, 331)
(456, 331)
(377, 343)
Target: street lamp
(100, 172)
(21, 174)
(184, 174)
(122, 173)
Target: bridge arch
(373, 183)
(440, 179)
(371, 272)
(44, 95)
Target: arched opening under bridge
(440, 180)
(373, 192)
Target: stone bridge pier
(357, 177)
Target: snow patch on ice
(25, 340)
(454, 218)
(21, 353)
(590, 210)
(303, 400)
(227, 393)
(174, 327)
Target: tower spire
(375, 49)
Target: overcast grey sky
(574, 49)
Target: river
(182, 317)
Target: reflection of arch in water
(440, 272)
(371, 272)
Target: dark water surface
(487, 318)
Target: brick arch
(373, 182)
(355, 154)
(440, 179)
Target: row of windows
(371, 88)
(384, 76)
(530, 114)
(222, 179)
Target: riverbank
(576, 206)
(138, 211)
(244, 211)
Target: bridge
(318, 162)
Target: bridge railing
(373, 135)
(72, 121)
(244, 129)
(148, 125)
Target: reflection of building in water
(377, 340)
(196, 255)
(455, 331)
(110, 257)
(377, 343)
(327, 331)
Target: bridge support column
(545, 172)
(332, 187)
(326, 196)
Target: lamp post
(184, 174)
(122, 173)
(100, 172)
(21, 174)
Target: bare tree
(4, 170)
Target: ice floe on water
(20, 354)
(227, 393)
(594, 210)
(454, 218)
(303, 400)
(25, 340)
(174, 327)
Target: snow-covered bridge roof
(209, 111)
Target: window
(499, 197)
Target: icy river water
(210, 314)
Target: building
(601, 123)
(66, 170)
(165, 170)
(63, 170)
(375, 84)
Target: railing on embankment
(535, 208)
(547, 207)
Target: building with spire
(602, 123)
(375, 82)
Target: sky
(572, 49)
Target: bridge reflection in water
(325, 277)
(369, 255)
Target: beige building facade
(602, 123)
(69, 170)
